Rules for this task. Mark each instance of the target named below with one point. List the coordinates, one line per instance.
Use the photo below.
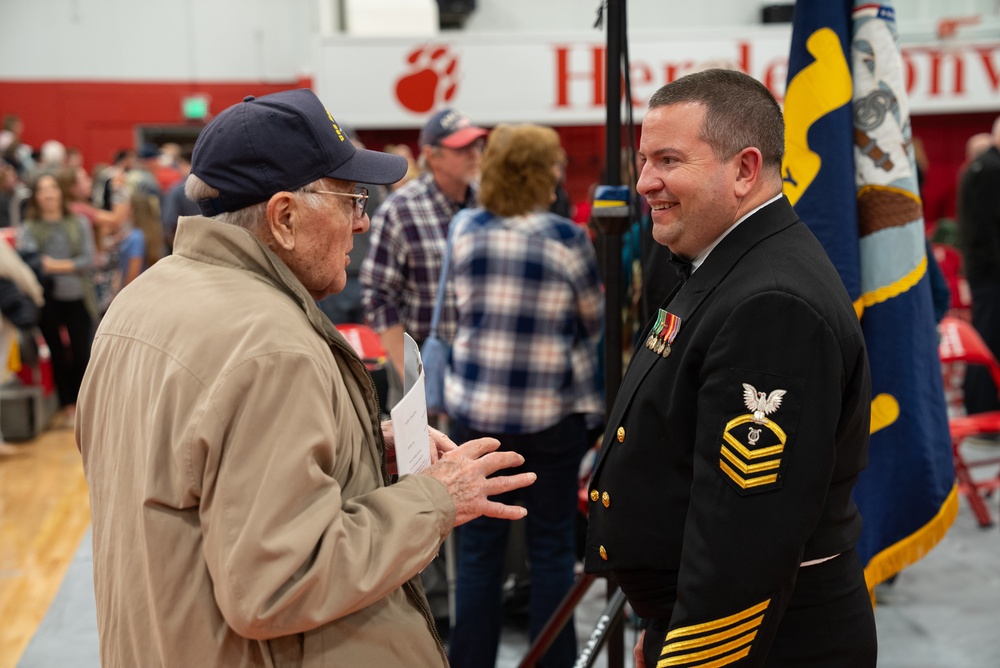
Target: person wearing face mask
(721, 500)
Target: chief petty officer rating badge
(747, 460)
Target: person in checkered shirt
(399, 276)
(524, 371)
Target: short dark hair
(123, 153)
(517, 169)
(740, 112)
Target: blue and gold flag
(850, 173)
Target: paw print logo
(432, 79)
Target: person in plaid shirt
(530, 312)
(399, 276)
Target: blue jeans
(554, 455)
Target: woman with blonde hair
(524, 358)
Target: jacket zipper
(418, 600)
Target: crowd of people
(85, 236)
(259, 468)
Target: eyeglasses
(360, 196)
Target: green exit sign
(195, 107)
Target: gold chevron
(753, 454)
(749, 468)
(747, 417)
(747, 483)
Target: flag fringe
(892, 291)
(914, 547)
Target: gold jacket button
(594, 495)
(605, 499)
(604, 553)
(621, 434)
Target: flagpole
(613, 263)
(612, 234)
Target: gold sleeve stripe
(753, 454)
(749, 468)
(727, 650)
(681, 645)
(743, 482)
(724, 661)
(718, 623)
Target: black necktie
(682, 266)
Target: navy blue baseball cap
(283, 141)
(450, 128)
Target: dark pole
(612, 236)
(613, 261)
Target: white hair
(251, 217)
(53, 153)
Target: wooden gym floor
(44, 512)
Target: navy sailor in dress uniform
(721, 499)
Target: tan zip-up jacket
(241, 509)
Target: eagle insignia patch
(761, 403)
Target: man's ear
(282, 219)
(427, 151)
(749, 164)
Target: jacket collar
(205, 240)
(765, 222)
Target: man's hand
(464, 472)
(640, 659)
(440, 444)
(389, 436)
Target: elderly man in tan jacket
(244, 507)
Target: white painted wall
(272, 40)
(549, 15)
(157, 39)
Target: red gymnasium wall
(100, 118)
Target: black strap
(442, 282)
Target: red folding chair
(961, 345)
(949, 260)
(368, 346)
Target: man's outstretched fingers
(497, 461)
(506, 483)
(502, 511)
(476, 448)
